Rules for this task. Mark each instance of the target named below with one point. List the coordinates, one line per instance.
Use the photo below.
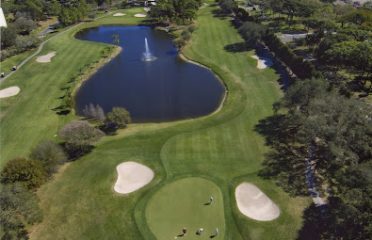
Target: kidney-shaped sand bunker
(253, 203)
(132, 176)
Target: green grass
(7, 64)
(28, 117)
(223, 148)
(182, 204)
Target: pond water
(165, 89)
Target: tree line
(23, 16)
(319, 124)
(175, 11)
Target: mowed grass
(184, 204)
(28, 117)
(224, 148)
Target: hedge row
(302, 69)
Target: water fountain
(147, 55)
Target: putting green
(183, 204)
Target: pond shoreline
(222, 82)
(93, 69)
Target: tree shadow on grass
(237, 47)
(74, 152)
(218, 13)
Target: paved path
(310, 179)
(40, 48)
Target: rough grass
(224, 148)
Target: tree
(72, 11)
(252, 32)
(119, 117)
(80, 133)
(18, 208)
(50, 155)
(52, 7)
(29, 173)
(26, 42)
(228, 6)
(336, 129)
(175, 11)
(24, 26)
(8, 36)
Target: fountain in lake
(147, 55)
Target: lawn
(223, 147)
(184, 203)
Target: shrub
(31, 174)
(191, 28)
(24, 26)
(186, 35)
(80, 133)
(50, 154)
(26, 42)
(179, 42)
(252, 32)
(78, 137)
(8, 36)
(19, 207)
(120, 117)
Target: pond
(163, 89)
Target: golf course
(191, 159)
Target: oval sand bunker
(119, 14)
(45, 58)
(253, 203)
(9, 92)
(140, 15)
(132, 176)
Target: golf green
(184, 204)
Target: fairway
(184, 204)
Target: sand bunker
(253, 203)
(132, 176)
(9, 92)
(263, 62)
(140, 15)
(45, 58)
(119, 14)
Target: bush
(24, 26)
(80, 133)
(31, 174)
(19, 207)
(186, 35)
(8, 36)
(50, 154)
(26, 42)
(191, 28)
(120, 117)
(179, 42)
(252, 32)
(301, 68)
